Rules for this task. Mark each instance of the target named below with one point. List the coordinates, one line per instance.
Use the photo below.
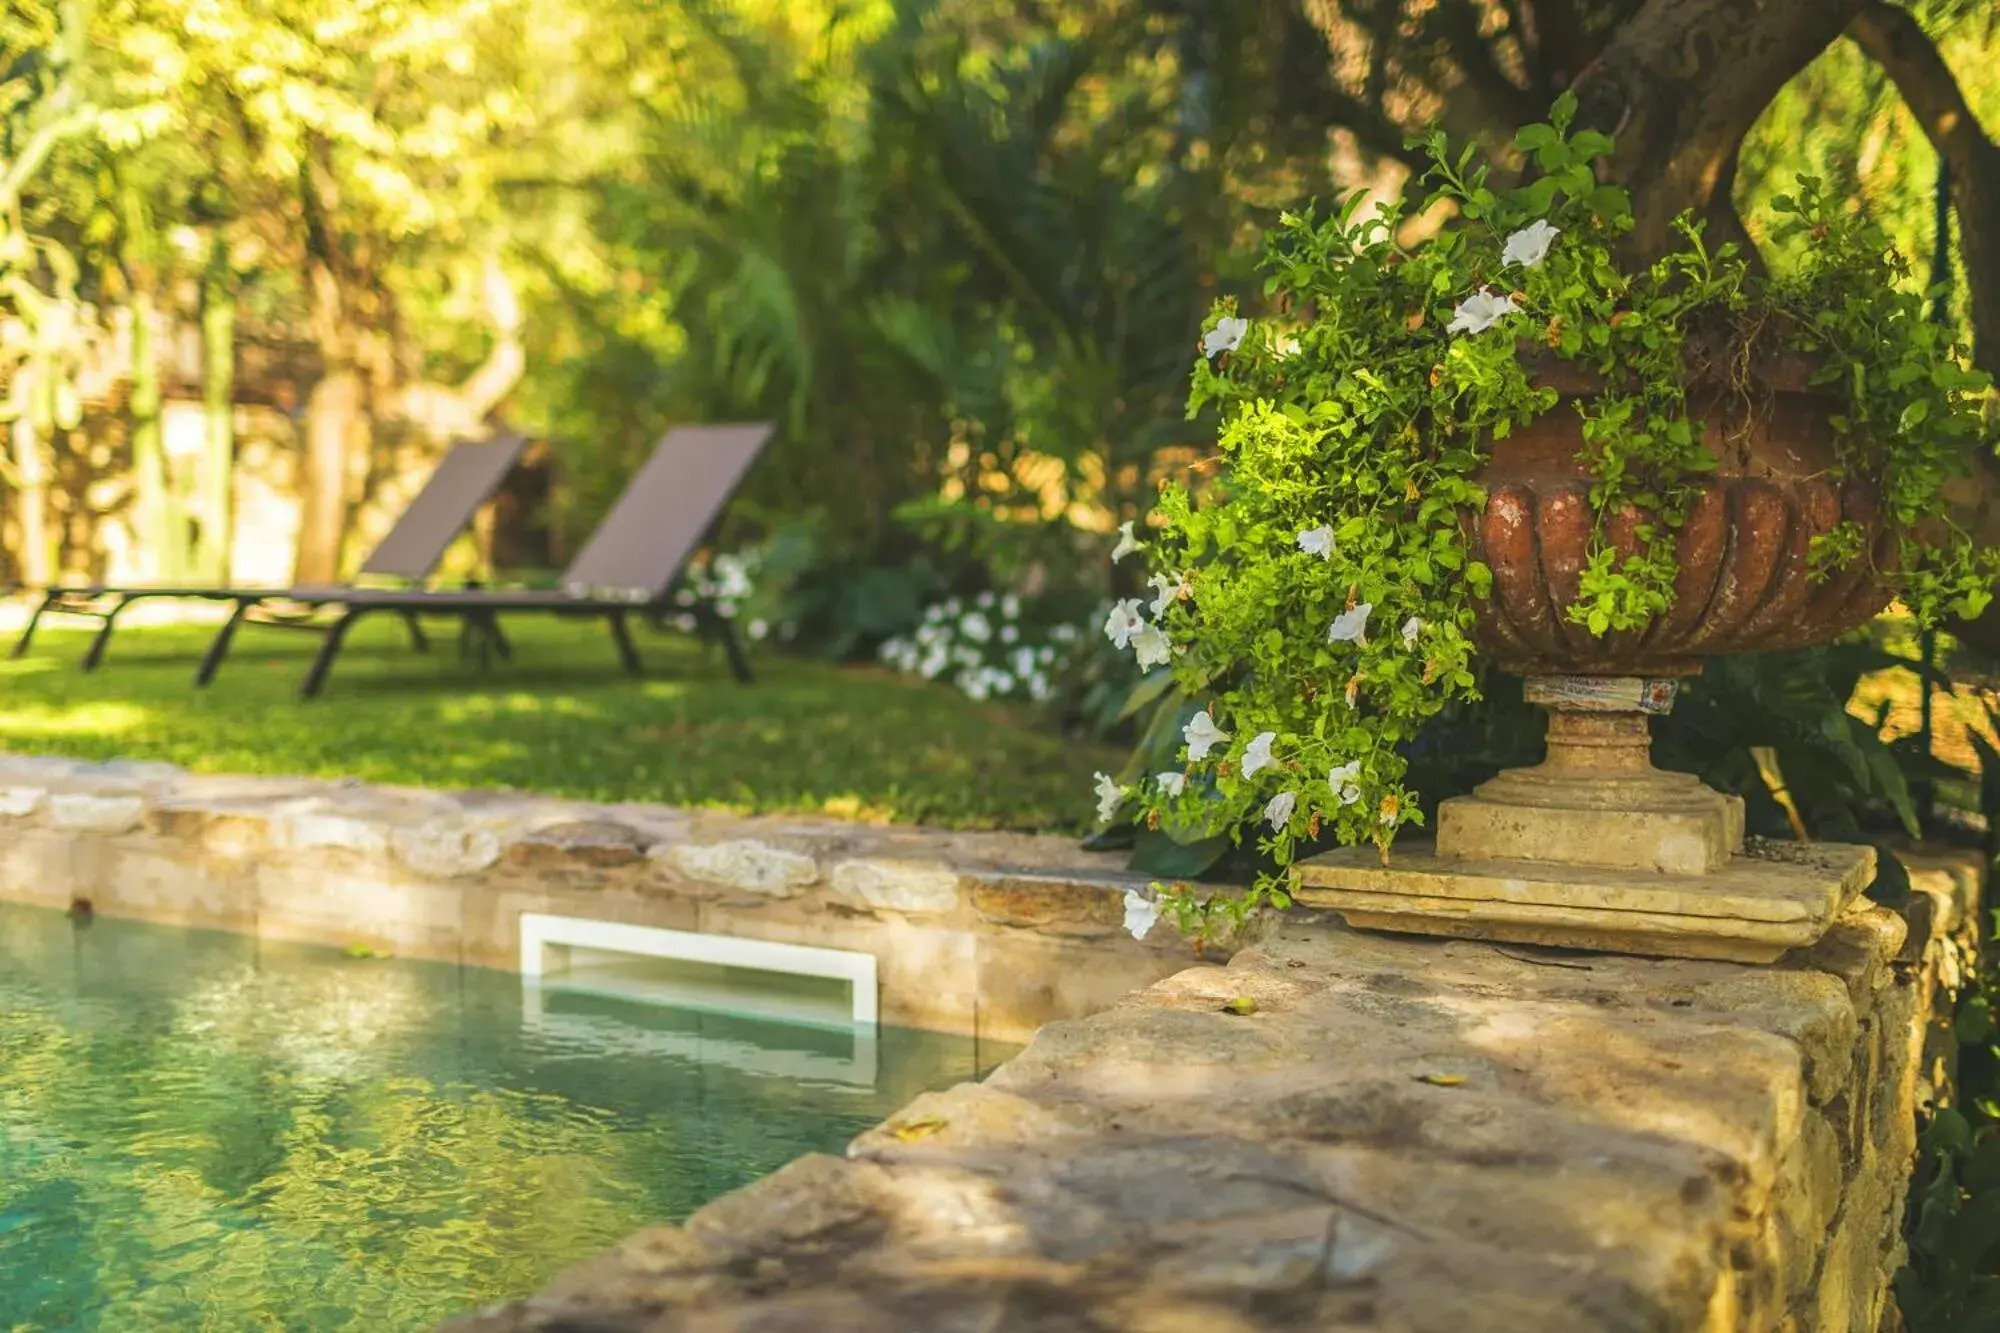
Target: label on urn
(1602, 694)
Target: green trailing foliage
(1951, 1282)
(1315, 598)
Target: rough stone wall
(1419, 1135)
(981, 934)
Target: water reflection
(199, 1131)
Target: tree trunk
(337, 425)
(32, 499)
(1893, 39)
(218, 459)
(335, 421)
(149, 471)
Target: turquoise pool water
(201, 1132)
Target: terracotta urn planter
(1595, 847)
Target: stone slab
(1760, 904)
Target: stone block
(1049, 902)
(742, 863)
(445, 847)
(22, 802)
(918, 888)
(314, 830)
(576, 846)
(83, 812)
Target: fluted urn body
(1743, 581)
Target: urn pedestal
(1594, 848)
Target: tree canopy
(960, 248)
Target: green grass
(560, 718)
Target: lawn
(858, 743)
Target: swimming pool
(201, 1131)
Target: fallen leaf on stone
(1441, 1080)
(909, 1131)
(1242, 1005)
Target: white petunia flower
(1345, 782)
(1530, 245)
(1140, 914)
(733, 576)
(1257, 754)
(1317, 541)
(976, 627)
(1123, 622)
(1109, 797)
(1127, 543)
(1153, 646)
(1172, 783)
(1480, 312)
(1202, 735)
(1351, 626)
(1226, 336)
(1278, 810)
(1169, 590)
(1411, 629)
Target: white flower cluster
(1127, 627)
(724, 580)
(983, 649)
(1480, 311)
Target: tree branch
(1893, 39)
(1681, 83)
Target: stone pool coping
(1418, 1135)
(978, 934)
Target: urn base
(1595, 848)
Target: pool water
(201, 1131)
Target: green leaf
(1155, 853)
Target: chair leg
(621, 634)
(418, 639)
(211, 661)
(28, 634)
(328, 650)
(739, 666)
(479, 627)
(103, 639)
(501, 643)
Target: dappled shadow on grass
(562, 718)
